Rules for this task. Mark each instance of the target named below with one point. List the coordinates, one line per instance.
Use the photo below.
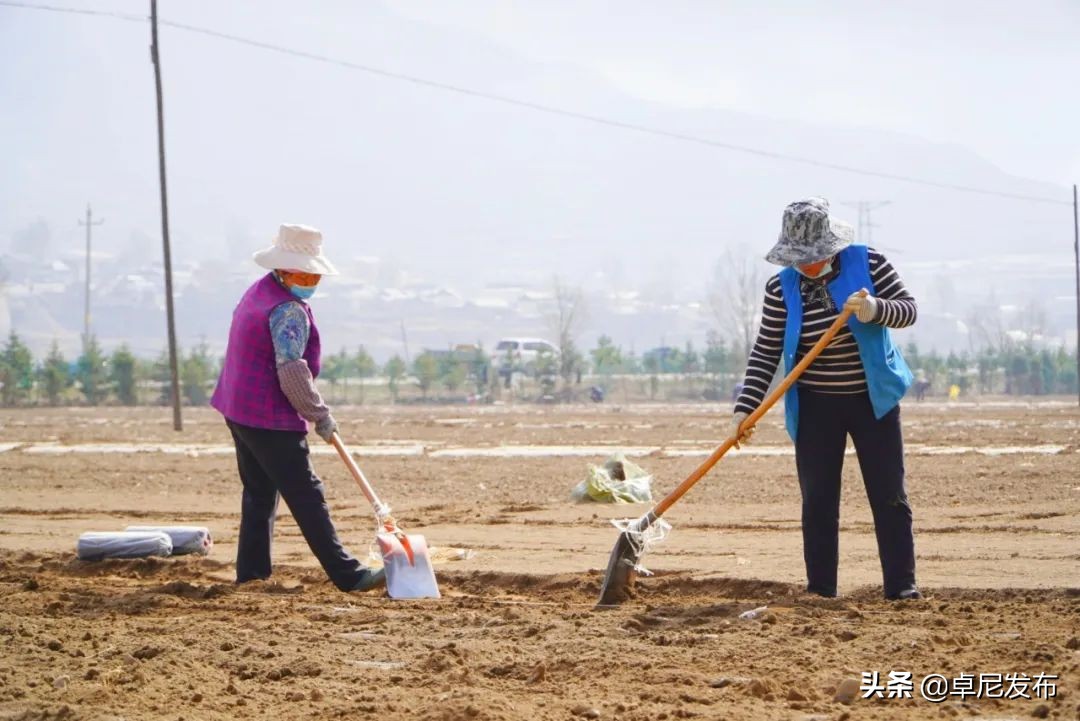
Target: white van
(521, 353)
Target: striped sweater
(838, 368)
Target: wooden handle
(754, 417)
(357, 474)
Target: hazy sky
(997, 76)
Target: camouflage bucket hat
(808, 234)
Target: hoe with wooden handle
(625, 557)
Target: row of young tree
(95, 378)
(1014, 369)
(711, 372)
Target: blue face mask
(303, 292)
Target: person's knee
(261, 508)
(899, 500)
(820, 501)
(822, 504)
(891, 504)
(818, 522)
(315, 491)
(310, 495)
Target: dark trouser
(273, 462)
(824, 424)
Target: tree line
(688, 372)
(1010, 369)
(96, 378)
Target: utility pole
(1076, 250)
(870, 225)
(405, 343)
(89, 223)
(864, 229)
(174, 370)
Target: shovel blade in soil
(408, 575)
(621, 571)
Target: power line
(75, 11)
(552, 110)
(599, 119)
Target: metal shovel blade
(621, 570)
(408, 575)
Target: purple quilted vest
(248, 391)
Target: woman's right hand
(326, 427)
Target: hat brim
(786, 253)
(274, 258)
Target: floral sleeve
(289, 329)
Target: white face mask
(825, 270)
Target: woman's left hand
(864, 306)
(736, 425)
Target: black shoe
(908, 594)
(371, 579)
(824, 593)
(240, 581)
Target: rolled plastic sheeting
(185, 539)
(95, 546)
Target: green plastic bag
(617, 481)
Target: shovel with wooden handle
(626, 556)
(405, 556)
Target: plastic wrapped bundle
(94, 546)
(617, 481)
(185, 539)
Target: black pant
(825, 421)
(273, 462)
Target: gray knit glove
(326, 427)
(865, 307)
(736, 422)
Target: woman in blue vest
(853, 388)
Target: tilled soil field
(995, 489)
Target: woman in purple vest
(268, 396)
(853, 388)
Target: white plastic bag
(643, 540)
(95, 546)
(185, 539)
(753, 614)
(617, 481)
